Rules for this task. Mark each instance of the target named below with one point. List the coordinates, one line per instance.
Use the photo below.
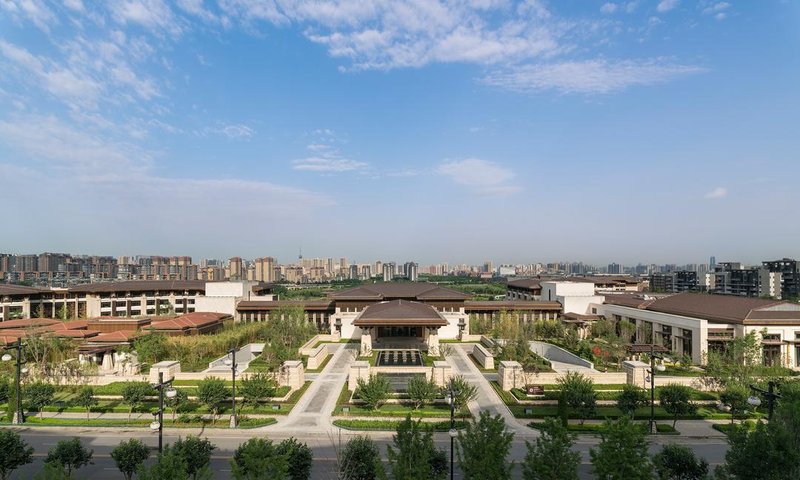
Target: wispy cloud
(593, 76)
(717, 193)
(716, 9)
(667, 5)
(329, 165)
(232, 131)
(480, 176)
(609, 7)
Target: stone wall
(316, 356)
(484, 358)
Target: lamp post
(450, 396)
(769, 394)
(652, 377)
(19, 415)
(158, 422)
(232, 362)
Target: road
(102, 441)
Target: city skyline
(636, 131)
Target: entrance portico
(399, 324)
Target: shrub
(39, 395)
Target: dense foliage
(16, 453)
(360, 459)
(373, 392)
(578, 395)
(412, 454)
(483, 447)
(552, 457)
(129, 456)
(622, 452)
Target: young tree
(129, 456)
(212, 393)
(622, 452)
(5, 390)
(15, 453)
(674, 399)
(85, 399)
(196, 453)
(168, 466)
(631, 399)
(413, 455)
(421, 391)
(299, 457)
(151, 347)
(768, 452)
(465, 391)
(577, 393)
(70, 454)
(177, 402)
(134, 395)
(678, 462)
(257, 388)
(258, 458)
(735, 397)
(52, 471)
(552, 457)
(373, 392)
(483, 447)
(360, 459)
(39, 395)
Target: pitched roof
(399, 312)
(275, 304)
(526, 283)
(8, 289)
(399, 290)
(120, 336)
(28, 323)
(714, 308)
(139, 286)
(190, 320)
(510, 305)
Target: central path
(312, 414)
(487, 399)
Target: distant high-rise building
(388, 271)
(712, 263)
(236, 269)
(353, 272)
(410, 270)
(366, 272)
(614, 269)
(265, 269)
(674, 282)
(781, 278)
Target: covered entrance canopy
(399, 321)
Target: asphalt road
(102, 441)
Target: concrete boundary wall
(484, 358)
(316, 356)
(558, 354)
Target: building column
(433, 341)
(366, 341)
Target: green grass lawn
(391, 425)
(661, 428)
(400, 410)
(82, 422)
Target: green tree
(151, 347)
(622, 452)
(5, 390)
(678, 462)
(129, 456)
(465, 392)
(177, 402)
(631, 399)
(373, 392)
(70, 454)
(577, 393)
(413, 455)
(483, 447)
(674, 399)
(360, 459)
(134, 395)
(737, 364)
(735, 397)
(39, 395)
(16, 453)
(257, 388)
(259, 459)
(299, 457)
(552, 457)
(168, 466)
(212, 393)
(422, 391)
(85, 399)
(52, 471)
(196, 452)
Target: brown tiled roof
(399, 290)
(139, 286)
(28, 323)
(629, 300)
(7, 289)
(399, 312)
(718, 308)
(510, 305)
(526, 283)
(273, 305)
(190, 320)
(120, 336)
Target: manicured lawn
(82, 422)
(726, 427)
(661, 428)
(391, 425)
(399, 410)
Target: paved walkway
(312, 414)
(487, 399)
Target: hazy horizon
(644, 131)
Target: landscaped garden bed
(596, 428)
(391, 425)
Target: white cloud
(667, 5)
(34, 10)
(717, 9)
(76, 5)
(152, 14)
(719, 192)
(481, 176)
(592, 76)
(323, 164)
(609, 7)
(236, 131)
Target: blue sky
(463, 130)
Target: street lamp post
(769, 394)
(232, 362)
(653, 368)
(158, 422)
(19, 415)
(451, 399)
